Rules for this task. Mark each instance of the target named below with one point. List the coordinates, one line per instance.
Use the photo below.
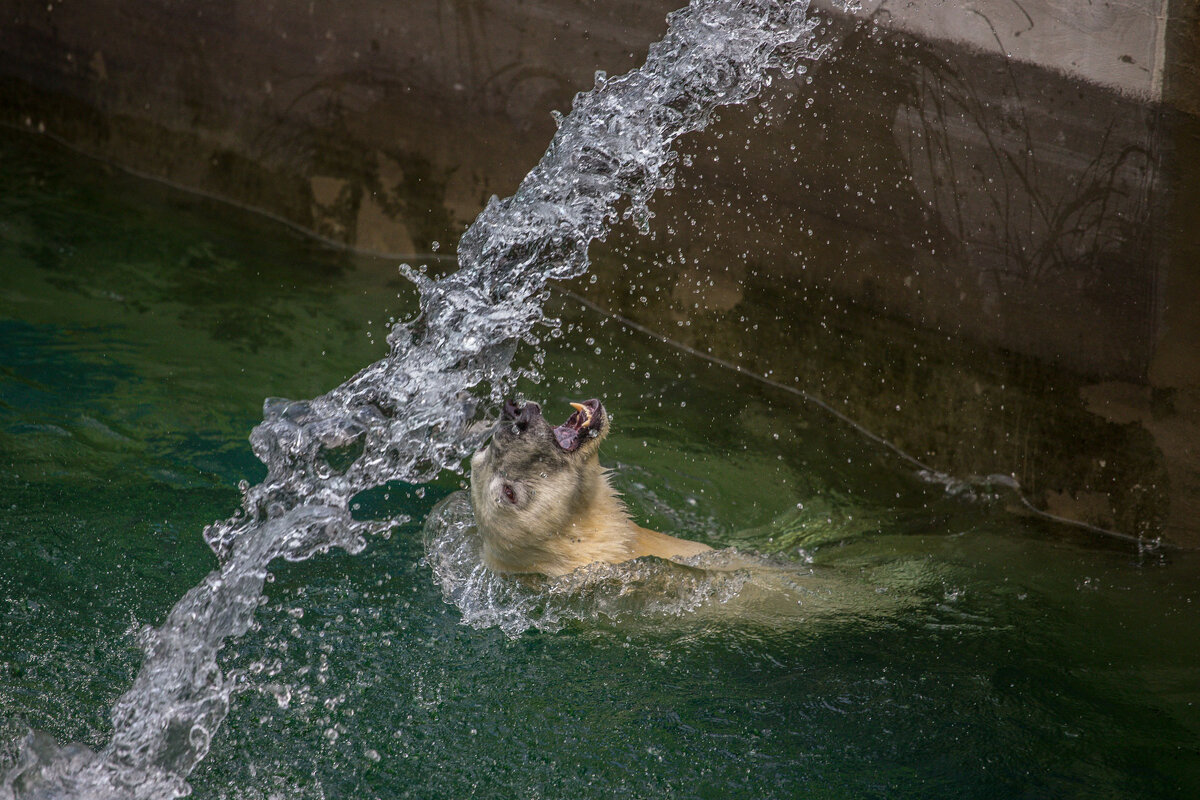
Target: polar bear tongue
(572, 433)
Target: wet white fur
(567, 514)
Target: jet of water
(408, 416)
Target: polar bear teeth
(587, 414)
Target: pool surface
(925, 642)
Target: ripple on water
(722, 585)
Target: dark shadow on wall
(964, 254)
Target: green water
(141, 330)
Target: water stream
(416, 412)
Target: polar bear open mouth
(580, 426)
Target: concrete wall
(1121, 46)
(1012, 184)
(378, 125)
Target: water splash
(646, 589)
(409, 415)
(740, 588)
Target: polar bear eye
(509, 493)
